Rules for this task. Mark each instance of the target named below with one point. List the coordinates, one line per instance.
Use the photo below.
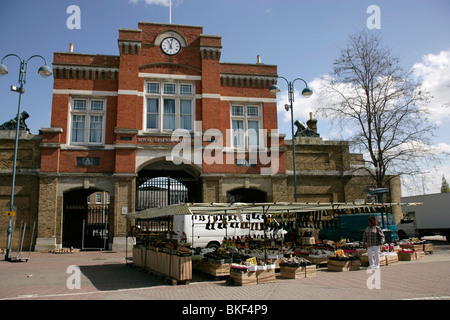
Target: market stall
(242, 258)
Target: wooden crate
(151, 260)
(420, 255)
(391, 259)
(365, 260)
(412, 246)
(216, 270)
(292, 272)
(243, 278)
(297, 272)
(428, 247)
(343, 266)
(180, 268)
(265, 276)
(316, 260)
(139, 255)
(406, 256)
(310, 271)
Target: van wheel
(213, 245)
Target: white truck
(209, 231)
(430, 218)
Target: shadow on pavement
(121, 276)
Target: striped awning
(248, 208)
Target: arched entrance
(163, 183)
(248, 195)
(85, 219)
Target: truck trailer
(432, 217)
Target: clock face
(170, 46)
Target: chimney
(258, 59)
(71, 47)
(312, 123)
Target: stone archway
(162, 183)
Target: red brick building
(164, 122)
(113, 124)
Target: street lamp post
(307, 92)
(45, 72)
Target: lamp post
(307, 92)
(45, 72)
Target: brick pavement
(105, 276)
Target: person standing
(373, 238)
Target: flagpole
(170, 11)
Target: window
(98, 198)
(152, 113)
(169, 114)
(245, 124)
(153, 87)
(186, 114)
(170, 108)
(170, 88)
(87, 121)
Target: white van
(209, 231)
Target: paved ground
(105, 276)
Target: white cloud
(434, 72)
(302, 106)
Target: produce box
(308, 240)
(139, 255)
(243, 278)
(412, 246)
(406, 256)
(265, 276)
(420, 255)
(216, 270)
(298, 272)
(316, 260)
(180, 268)
(428, 247)
(292, 272)
(365, 260)
(346, 265)
(310, 271)
(392, 258)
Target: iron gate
(162, 191)
(85, 226)
(95, 228)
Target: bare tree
(373, 97)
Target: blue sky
(301, 37)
